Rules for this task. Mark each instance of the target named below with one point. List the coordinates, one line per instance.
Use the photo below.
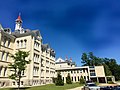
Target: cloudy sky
(71, 27)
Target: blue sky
(71, 27)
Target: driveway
(77, 88)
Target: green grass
(50, 87)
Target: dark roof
(28, 32)
(7, 35)
(46, 47)
(67, 61)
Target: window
(13, 83)
(6, 56)
(84, 77)
(17, 44)
(74, 71)
(75, 78)
(2, 57)
(8, 43)
(25, 43)
(21, 43)
(23, 72)
(4, 41)
(78, 78)
(72, 78)
(5, 69)
(21, 82)
(1, 69)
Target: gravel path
(77, 88)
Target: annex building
(93, 73)
(42, 57)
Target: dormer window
(17, 44)
(25, 42)
(21, 43)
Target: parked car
(91, 86)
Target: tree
(82, 81)
(59, 81)
(68, 79)
(110, 65)
(90, 60)
(19, 65)
(113, 67)
(107, 70)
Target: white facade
(94, 73)
(42, 59)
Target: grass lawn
(50, 87)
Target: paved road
(78, 88)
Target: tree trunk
(19, 83)
(19, 77)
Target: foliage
(96, 83)
(107, 70)
(59, 81)
(90, 60)
(110, 65)
(54, 79)
(68, 79)
(110, 82)
(82, 81)
(19, 65)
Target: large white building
(42, 66)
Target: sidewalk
(77, 88)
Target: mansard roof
(7, 35)
(35, 33)
(46, 47)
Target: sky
(70, 27)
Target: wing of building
(89, 73)
(41, 69)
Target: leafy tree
(59, 81)
(90, 60)
(82, 81)
(85, 59)
(107, 70)
(114, 67)
(110, 65)
(68, 79)
(19, 65)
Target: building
(94, 73)
(42, 66)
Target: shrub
(68, 79)
(82, 81)
(59, 81)
(54, 79)
(110, 82)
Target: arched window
(21, 43)
(17, 44)
(25, 43)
